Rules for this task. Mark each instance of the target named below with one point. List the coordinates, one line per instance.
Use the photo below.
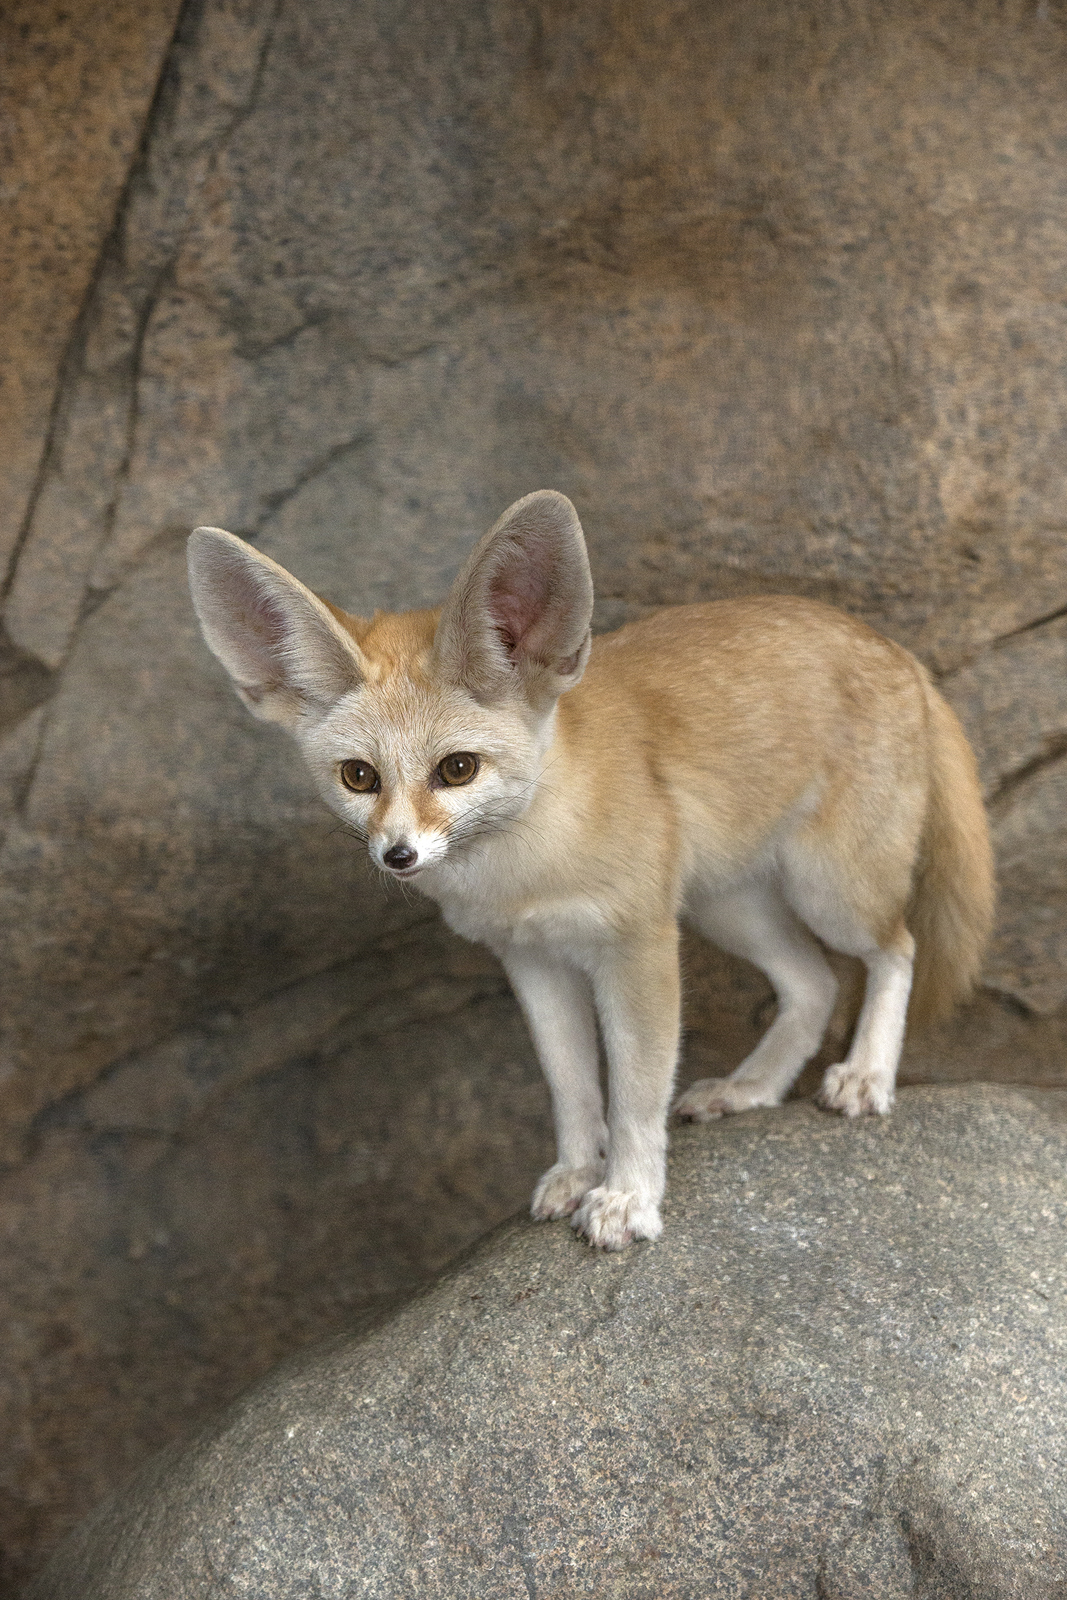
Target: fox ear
(519, 612)
(286, 653)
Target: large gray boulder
(840, 1374)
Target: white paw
(855, 1091)
(717, 1097)
(560, 1189)
(612, 1218)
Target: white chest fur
(566, 924)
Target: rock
(252, 1184)
(142, 781)
(373, 278)
(1012, 701)
(76, 88)
(774, 292)
(839, 1373)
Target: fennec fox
(768, 767)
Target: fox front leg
(558, 1007)
(638, 998)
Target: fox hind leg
(854, 900)
(865, 1081)
(756, 923)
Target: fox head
(424, 730)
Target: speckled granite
(839, 1374)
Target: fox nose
(400, 856)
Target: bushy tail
(951, 914)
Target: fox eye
(457, 769)
(359, 776)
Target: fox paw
(717, 1097)
(613, 1218)
(560, 1190)
(855, 1091)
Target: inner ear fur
(285, 651)
(519, 612)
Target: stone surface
(118, 877)
(214, 1203)
(777, 298)
(840, 1373)
(776, 293)
(76, 82)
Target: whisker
(490, 822)
(349, 827)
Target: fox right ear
(519, 612)
(285, 651)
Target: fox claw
(718, 1097)
(854, 1092)
(611, 1219)
(559, 1191)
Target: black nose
(400, 856)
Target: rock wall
(76, 88)
(776, 294)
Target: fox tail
(951, 913)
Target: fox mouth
(410, 871)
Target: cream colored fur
(770, 768)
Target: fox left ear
(286, 652)
(519, 612)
